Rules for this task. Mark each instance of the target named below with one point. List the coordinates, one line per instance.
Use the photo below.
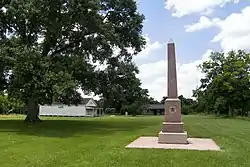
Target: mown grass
(101, 142)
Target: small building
(87, 108)
(154, 109)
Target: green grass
(101, 142)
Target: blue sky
(197, 28)
(160, 26)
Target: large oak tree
(50, 46)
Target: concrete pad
(193, 144)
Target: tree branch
(69, 45)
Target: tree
(51, 46)
(226, 83)
(151, 100)
(188, 105)
(164, 98)
(120, 86)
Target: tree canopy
(48, 49)
(225, 88)
(120, 87)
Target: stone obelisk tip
(170, 40)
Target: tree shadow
(63, 128)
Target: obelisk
(172, 128)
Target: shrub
(11, 106)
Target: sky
(197, 27)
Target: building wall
(63, 110)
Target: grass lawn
(101, 142)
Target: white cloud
(203, 23)
(186, 7)
(149, 48)
(234, 30)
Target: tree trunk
(118, 109)
(33, 112)
(231, 110)
(242, 111)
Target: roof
(84, 101)
(155, 106)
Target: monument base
(193, 144)
(176, 127)
(172, 138)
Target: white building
(87, 108)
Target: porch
(94, 111)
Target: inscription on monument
(172, 109)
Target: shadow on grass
(67, 128)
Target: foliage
(225, 87)
(10, 105)
(125, 89)
(163, 99)
(50, 47)
(188, 105)
(151, 100)
(136, 108)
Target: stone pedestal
(172, 138)
(172, 131)
(172, 127)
